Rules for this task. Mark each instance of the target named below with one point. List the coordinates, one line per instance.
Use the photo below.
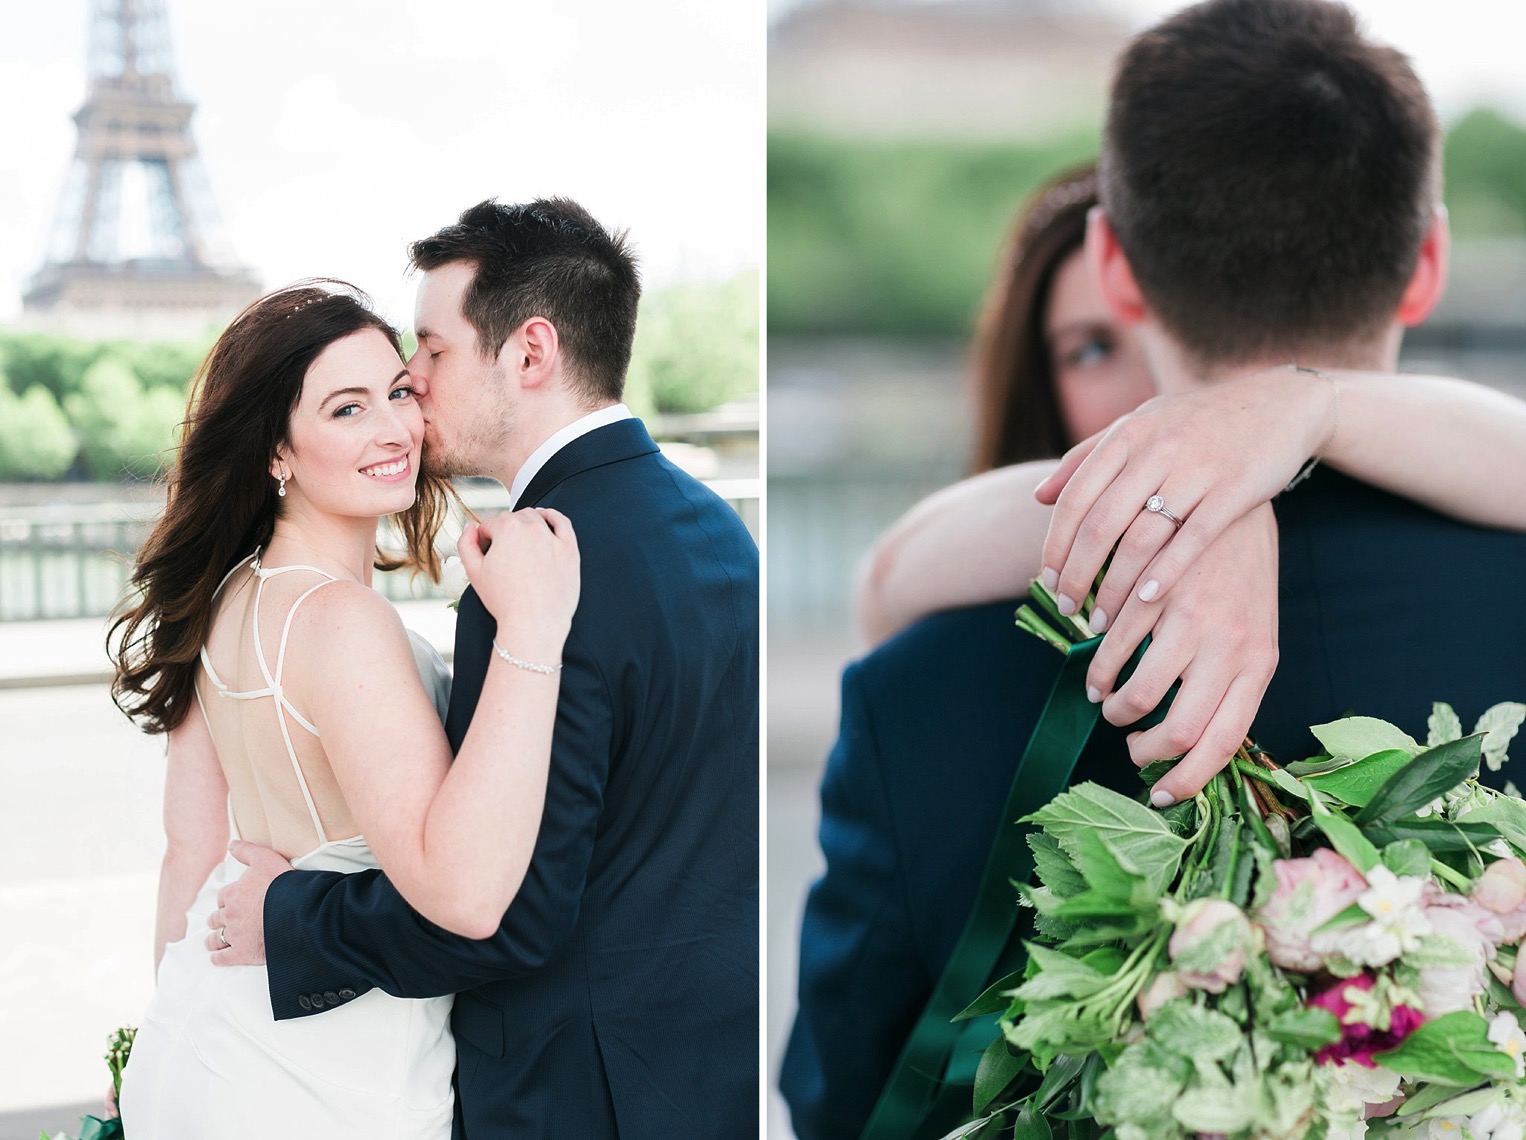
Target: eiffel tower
(134, 244)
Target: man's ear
(1429, 280)
(1115, 277)
(532, 352)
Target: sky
(335, 131)
(1466, 52)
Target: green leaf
(1102, 868)
(998, 1065)
(1408, 857)
(1142, 1086)
(1057, 1079)
(1194, 1032)
(1361, 736)
(1439, 835)
(1058, 975)
(1209, 1110)
(1443, 726)
(1500, 723)
(1432, 773)
(1137, 836)
(1344, 836)
(1053, 866)
(996, 998)
(1453, 1049)
(1357, 782)
(1030, 1126)
(1502, 814)
(1308, 1028)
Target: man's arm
(862, 983)
(328, 933)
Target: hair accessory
(520, 663)
(1335, 422)
(1157, 506)
(281, 490)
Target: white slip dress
(210, 1062)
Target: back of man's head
(547, 258)
(1270, 175)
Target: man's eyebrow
(422, 333)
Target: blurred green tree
(696, 346)
(36, 441)
(124, 428)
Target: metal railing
(74, 561)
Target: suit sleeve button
(331, 998)
(346, 994)
(305, 1002)
(317, 1000)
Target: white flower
(453, 579)
(1502, 1120)
(1446, 1128)
(1398, 919)
(1505, 1031)
(1349, 1088)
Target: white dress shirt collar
(582, 426)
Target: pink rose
(1166, 987)
(1502, 886)
(1309, 893)
(1445, 989)
(1359, 1041)
(1199, 919)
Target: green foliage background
(107, 410)
(899, 238)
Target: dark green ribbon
(932, 1079)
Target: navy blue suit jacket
(620, 995)
(1384, 608)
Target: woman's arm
(1215, 453)
(195, 825)
(454, 838)
(976, 541)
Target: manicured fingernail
(1098, 621)
(1161, 798)
(1148, 591)
(1093, 694)
(1049, 577)
(1067, 607)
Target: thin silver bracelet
(520, 663)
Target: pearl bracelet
(520, 663)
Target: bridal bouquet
(118, 1049)
(1326, 950)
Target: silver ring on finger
(1157, 506)
(222, 936)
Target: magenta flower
(1359, 1040)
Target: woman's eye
(1089, 353)
(405, 392)
(346, 411)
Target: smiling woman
(329, 748)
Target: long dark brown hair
(1017, 409)
(221, 501)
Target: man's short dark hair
(547, 258)
(1270, 175)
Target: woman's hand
(525, 567)
(1211, 455)
(1217, 633)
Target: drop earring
(281, 490)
